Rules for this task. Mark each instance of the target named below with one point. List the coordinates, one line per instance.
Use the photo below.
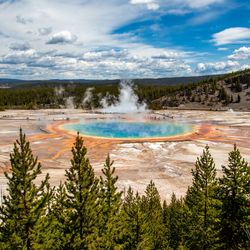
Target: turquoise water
(125, 129)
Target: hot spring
(129, 106)
(122, 129)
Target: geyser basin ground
(127, 129)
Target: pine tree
(82, 202)
(52, 230)
(110, 207)
(110, 195)
(232, 99)
(201, 202)
(238, 98)
(223, 95)
(166, 224)
(237, 86)
(26, 202)
(130, 224)
(234, 193)
(152, 225)
(175, 222)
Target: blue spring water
(125, 129)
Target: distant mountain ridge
(143, 81)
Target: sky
(110, 39)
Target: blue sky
(44, 39)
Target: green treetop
(81, 198)
(200, 201)
(234, 191)
(26, 202)
(152, 225)
(110, 200)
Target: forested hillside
(88, 212)
(212, 93)
(229, 91)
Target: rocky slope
(230, 92)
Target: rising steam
(59, 91)
(87, 98)
(69, 101)
(127, 101)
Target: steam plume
(127, 101)
(87, 98)
(69, 101)
(59, 91)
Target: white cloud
(150, 4)
(91, 21)
(100, 55)
(62, 37)
(23, 20)
(168, 55)
(222, 49)
(100, 64)
(20, 46)
(245, 66)
(153, 6)
(217, 67)
(202, 3)
(96, 52)
(204, 17)
(45, 31)
(177, 11)
(177, 7)
(234, 35)
(19, 57)
(240, 54)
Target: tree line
(89, 212)
(43, 95)
(35, 97)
